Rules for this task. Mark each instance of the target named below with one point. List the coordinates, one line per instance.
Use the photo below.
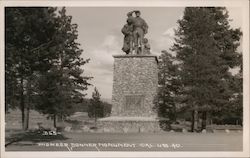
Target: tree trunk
(174, 111)
(194, 124)
(27, 105)
(95, 120)
(26, 118)
(54, 120)
(22, 105)
(95, 115)
(22, 111)
(59, 118)
(204, 120)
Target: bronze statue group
(134, 32)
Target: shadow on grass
(32, 136)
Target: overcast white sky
(100, 36)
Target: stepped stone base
(129, 124)
(135, 86)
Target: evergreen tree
(169, 89)
(96, 108)
(207, 49)
(43, 62)
(232, 113)
(63, 85)
(28, 37)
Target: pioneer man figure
(140, 29)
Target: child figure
(146, 46)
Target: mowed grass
(16, 140)
(165, 141)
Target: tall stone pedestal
(135, 85)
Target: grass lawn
(165, 141)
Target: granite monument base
(129, 125)
(135, 84)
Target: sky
(99, 33)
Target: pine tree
(96, 108)
(207, 49)
(169, 89)
(232, 113)
(63, 85)
(43, 63)
(28, 37)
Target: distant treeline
(86, 106)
